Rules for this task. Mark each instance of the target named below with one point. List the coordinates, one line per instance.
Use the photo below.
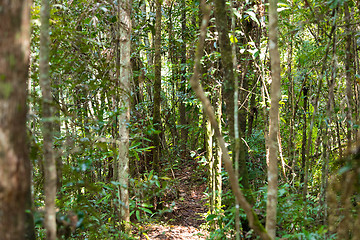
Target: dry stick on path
(195, 84)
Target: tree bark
(182, 108)
(57, 133)
(218, 155)
(14, 159)
(348, 73)
(226, 60)
(124, 16)
(157, 88)
(274, 120)
(210, 160)
(47, 126)
(304, 136)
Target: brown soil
(184, 221)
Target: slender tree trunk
(182, 108)
(304, 136)
(274, 120)
(316, 106)
(292, 132)
(174, 74)
(348, 73)
(47, 127)
(14, 159)
(157, 88)
(124, 16)
(237, 130)
(210, 160)
(195, 84)
(252, 115)
(57, 133)
(226, 60)
(326, 138)
(218, 155)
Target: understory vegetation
(174, 158)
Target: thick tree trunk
(47, 127)
(274, 120)
(14, 160)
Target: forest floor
(184, 222)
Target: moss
(5, 88)
(257, 223)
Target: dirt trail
(187, 214)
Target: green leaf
(146, 210)
(151, 174)
(138, 215)
(252, 15)
(211, 217)
(146, 205)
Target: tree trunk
(57, 132)
(124, 10)
(316, 106)
(210, 160)
(47, 127)
(218, 155)
(182, 108)
(226, 60)
(348, 73)
(195, 84)
(14, 160)
(274, 120)
(157, 88)
(304, 136)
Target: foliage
(313, 49)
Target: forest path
(187, 214)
